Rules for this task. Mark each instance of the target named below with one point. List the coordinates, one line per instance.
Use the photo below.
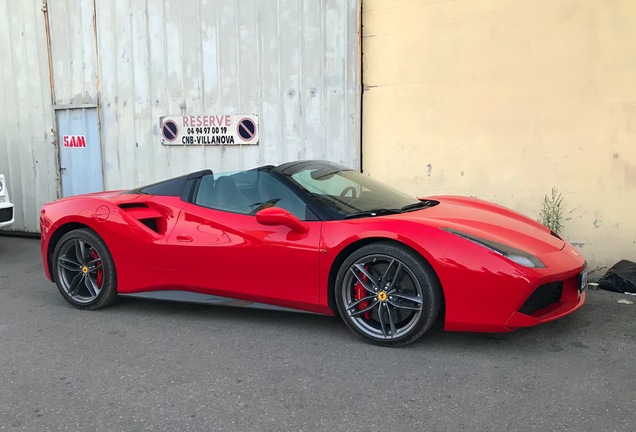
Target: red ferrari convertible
(318, 237)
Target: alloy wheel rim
(382, 297)
(79, 268)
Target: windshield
(350, 193)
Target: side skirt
(193, 297)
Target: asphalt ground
(149, 365)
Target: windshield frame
(326, 211)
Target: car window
(247, 192)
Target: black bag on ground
(620, 278)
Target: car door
(229, 253)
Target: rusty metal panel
(27, 153)
(292, 63)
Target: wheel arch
(349, 249)
(55, 238)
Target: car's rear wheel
(387, 294)
(84, 270)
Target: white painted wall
(504, 100)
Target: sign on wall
(74, 141)
(209, 130)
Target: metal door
(80, 151)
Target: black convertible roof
(171, 187)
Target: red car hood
(488, 221)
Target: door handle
(183, 238)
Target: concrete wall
(504, 100)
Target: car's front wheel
(387, 294)
(84, 270)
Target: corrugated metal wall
(27, 153)
(73, 51)
(294, 63)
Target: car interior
(247, 192)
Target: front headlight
(514, 255)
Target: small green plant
(552, 213)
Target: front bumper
(551, 313)
(7, 215)
(494, 296)
(549, 302)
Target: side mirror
(277, 216)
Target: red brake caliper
(360, 292)
(100, 273)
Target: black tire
(392, 278)
(84, 270)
